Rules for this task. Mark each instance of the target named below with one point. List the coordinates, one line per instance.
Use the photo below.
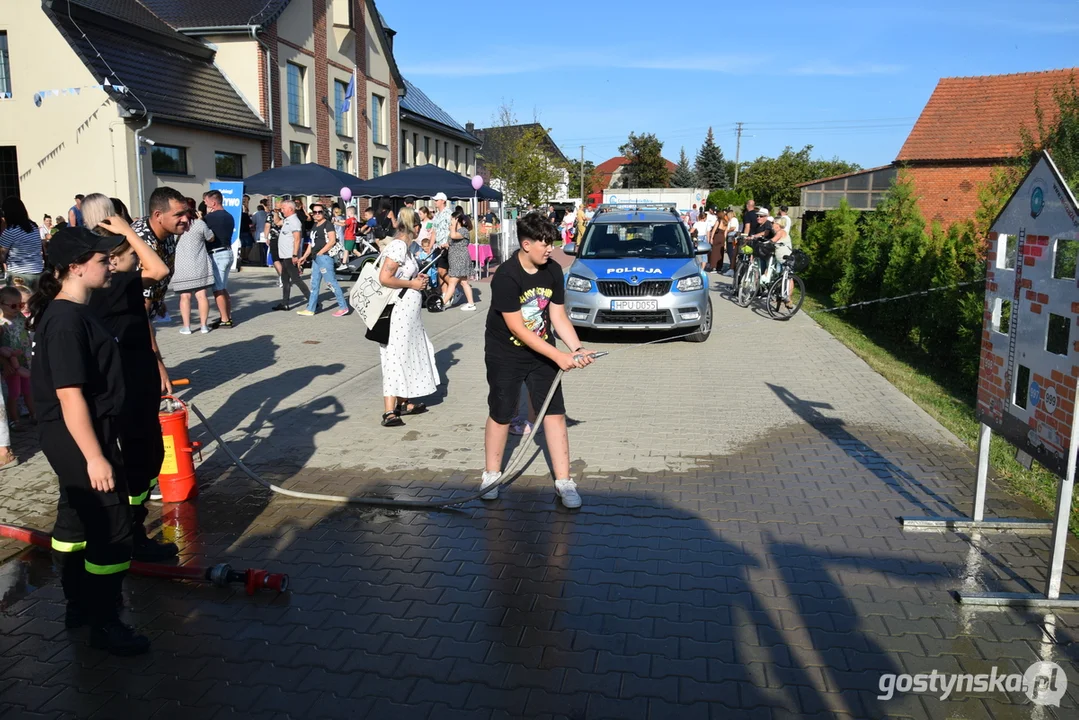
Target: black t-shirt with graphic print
(513, 289)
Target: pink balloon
(477, 182)
(346, 194)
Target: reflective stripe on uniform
(107, 569)
(61, 546)
(138, 499)
(153, 482)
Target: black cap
(71, 243)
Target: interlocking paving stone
(740, 558)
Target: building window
(5, 67)
(297, 153)
(344, 160)
(415, 149)
(467, 161)
(1022, 386)
(1002, 316)
(297, 97)
(1064, 262)
(229, 166)
(378, 167)
(457, 158)
(426, 150)
(169, 160)
(378, 104)
(1058, 338)
(342, 120)
(404, 149)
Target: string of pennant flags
(40, 96)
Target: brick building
(970, 126)
(310, 49)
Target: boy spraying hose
(527, 312)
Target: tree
(590, 177)
(517, 157)
(771, 181)
(646, 167)
(683, 176)
(1061, 138)
(711, 167)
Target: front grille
(621, 288)
(610, 317)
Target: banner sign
(1029, 356)
(232, 194)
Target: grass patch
(927, 384)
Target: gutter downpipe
(251, 30)
(138, 162)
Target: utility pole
(737, 153)
(582, 175)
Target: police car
(636, 268)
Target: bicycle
(786, 295)
(748, 285)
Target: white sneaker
(567, 490)
(490, 478)
(468, 308)
(729, 273)
(204, 330)
(185, 331)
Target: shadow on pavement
(910, 488)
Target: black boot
(72, 567)
(103, 596)
(118, 639)
(146, 549)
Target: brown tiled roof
(977, 118)
(606, 169)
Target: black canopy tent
(304, 179)
(424, 182)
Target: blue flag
(348, 94)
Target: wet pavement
(764, 576)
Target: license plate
(634, 305)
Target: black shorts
(504, 378)
(444, 261)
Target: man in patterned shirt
(160, 229)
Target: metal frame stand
(1051, 598)
(978, 521)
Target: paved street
(737, 554)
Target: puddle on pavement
(22, 575)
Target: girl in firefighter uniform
(78, 385)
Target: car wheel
(705, 328)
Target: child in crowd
(351, 225)
(25, 292)
(15, 349)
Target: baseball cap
(71, 243)
(762, 211)
(440, 196)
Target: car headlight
(689, 284)
(577, 283)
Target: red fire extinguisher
(177, 476)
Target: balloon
(477, 182)
(346, 194)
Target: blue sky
(848, 78)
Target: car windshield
(646, 240)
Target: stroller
(432, 296)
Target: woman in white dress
(408, 359)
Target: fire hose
(509, 475)
(220, 575)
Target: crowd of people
(725, 231)
(78, 347)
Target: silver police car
(636, 269)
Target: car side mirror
(704, 247)
(570, 248)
